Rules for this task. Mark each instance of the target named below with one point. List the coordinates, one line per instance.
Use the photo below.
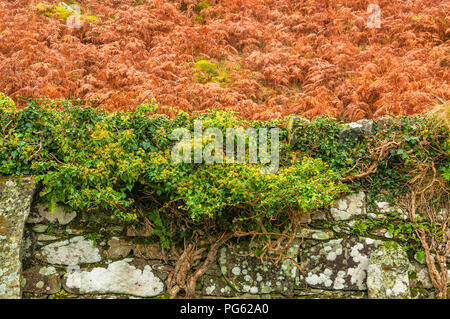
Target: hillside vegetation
(263, 58)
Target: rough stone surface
(331, 263)
(44, 237)
(216, 286)
(143, 231)
(350, 206)
(74, 251)
(319, 216)
(15, 201)
(28, 247)
(339, 264)
(40, 228)
(148, 251)
(355, 130)
(44, 280)
(293, 124)
(329, 294)
(247, 274)
(385, 207)
(382, 233)
(318, 234)
(387, 273)
(419, 276)
(65, 295)
(41, 213)
(118, 248)
(120, 277)
(152, 251)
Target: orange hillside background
(264, 59)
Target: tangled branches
(181, 278)
(429, 199)
(198, 255)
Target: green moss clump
(201, 5)
(391, 244)
(63, 11)
(200, 9)
(6, 102)
(208, 72)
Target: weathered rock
(382, 233)
(143, 231)
(116, 230)
(32, 295)
(153, 251)
(15, 201)
(216, 286)
(120, 277)
(41, 280)
(118, 248)
(41, 213)
(350, 206)
(419, 276)
(45, 237)
(39, 228)
(65, 295)
(148, 251)
(387, 273)
(319, 216)
(247, 274)
(309, 233)
(385, 207)
(339, 264)
(329, 294)
(74, 251)
(292, 125)
(28, 247)
(100, 218)
(384, 123)
(355, 130)
(71, 231)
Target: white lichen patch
(387, 275)
(349, 206)
(210, 289)
(247, 274)
(46, 271)
(339, 264)
(236, 271)
(119, 277)
(74, 251)
(339, 281)
(59, 215)
(39, 284)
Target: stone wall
(15, 200)
(93, 255)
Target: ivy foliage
(410, 143)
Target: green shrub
(89, 160)
(6, 103)
(208, 71)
